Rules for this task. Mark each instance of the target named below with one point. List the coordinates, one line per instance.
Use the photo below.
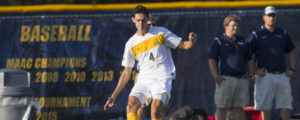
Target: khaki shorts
(147, 89)
(270, 87)
(233, 92)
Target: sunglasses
(151, 24)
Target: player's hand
(289, 73)
(192, 37)
(219, 80)
(250, 79)
(110, 102)
(260, 72)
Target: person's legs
(142, 109)
(238, 113)
(141, 112)
(240, 99)
(285, 114)
(137, 97)
(224, 96)
(284, 96)
(221, 114)
(264, 95)
(266, 114)
(161, 91)
(157, 110)
(133, 105)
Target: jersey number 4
(151, 57)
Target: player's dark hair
(140, 9)
(199, 112)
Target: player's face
(270, 20)
(232, 28)
(151, 23)
(140, 21)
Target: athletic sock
(132, 116)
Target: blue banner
(74, 63)
(75, 59)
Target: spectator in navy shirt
(228, 60)
(270, 46)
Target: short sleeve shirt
(270, 48)
(232, 56)
(152, 52)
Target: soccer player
(151, 48)
(142, 110)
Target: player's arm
(291, 60)
(291, 63)
(124, 78)
(251, 70)
(250, 65)
(213, 67)
(251, 42)
(289, 49)
(185, 45)
(212, 63)
(213, 56)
